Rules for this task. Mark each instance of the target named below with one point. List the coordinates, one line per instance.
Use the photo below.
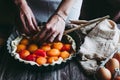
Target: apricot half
(53, 52)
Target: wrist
(64, 19)
(62, 15)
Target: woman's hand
(26, 20)
(56, 25)
(53, 29)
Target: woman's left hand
(53, 30)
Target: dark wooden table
(11, 69)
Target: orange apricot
(31, 57)
(41, 60)
(66, 47)
(46, 48)
(53, 52)
(64, 54)
(57, 45)
(32, 47)
(20, 47)
(24, 41)
(24, 54)
(52, 59)
(40, 52)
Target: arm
(65, 8)
(25, 20)
(55, 26)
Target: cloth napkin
(100, 41)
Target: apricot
(24, 41)
(41, 60)
(57, 45)
(52, 59)
(32, 47)
(64, 54)
(40, 52)
(24, 54)
(46, 48)
(53, 52)
(66, 47)
(20, 47)
(31, 57)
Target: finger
(42, 34)
(35, 24)
(30, 23)
(44, 31)
(53, 37)
(26, 31)
(48, 35)
(59, 37)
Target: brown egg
(117, 56)
(103, 74)
(112, 64)
(117, 78)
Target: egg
(103, 74)
(117, 56)
(117, 78)
(112, 64)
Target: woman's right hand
(25, 20)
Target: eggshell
(103, 74)
(112, 64)
(117, 78)
(117, 56)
